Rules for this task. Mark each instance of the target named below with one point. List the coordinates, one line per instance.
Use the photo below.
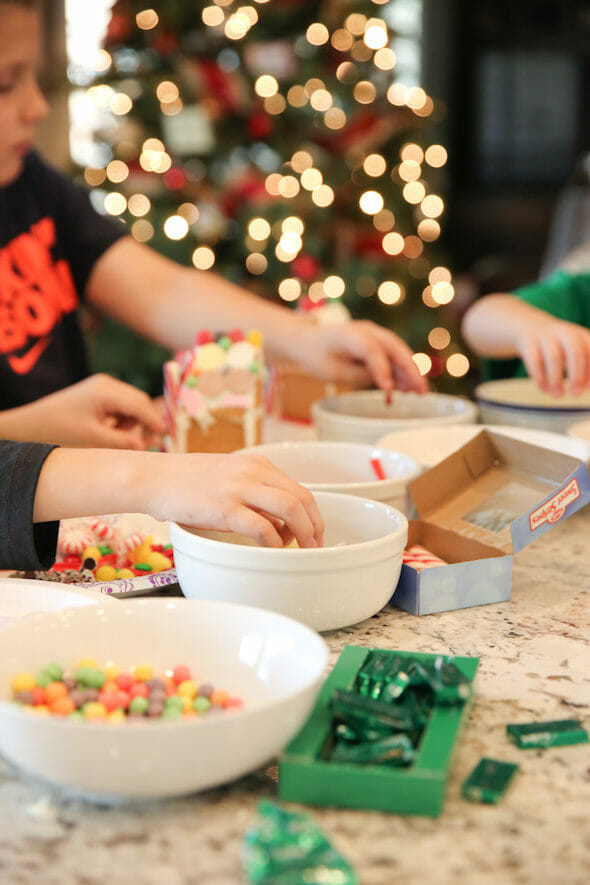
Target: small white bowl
(273, 663)
(346, 581)
(519, 401)
(363, 415)
(345, 468)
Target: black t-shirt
(23, 545)
(50, 238)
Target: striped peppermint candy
(126, 545)
(102, 530)
(419, 558)
(74, 540)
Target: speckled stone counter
(534, 663)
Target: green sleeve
(565, 296)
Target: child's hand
(99, 411)
(551, 349)
(242, 493)
(361, 353)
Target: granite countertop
(534, 664)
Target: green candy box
(353, 753)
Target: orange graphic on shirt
(35, 292)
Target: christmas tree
(274, 143)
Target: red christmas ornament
(247, 189)
(166, 42)
(174, 179)
(119, 28)
(305, 267)
(218, 83)
(437, 367)
(260, 125)
(369, 243)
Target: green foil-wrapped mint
(287, 848)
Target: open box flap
(497, 490)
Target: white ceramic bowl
(432, 445)
(20, 597)
(349, 579)
(273, 663)
(519, 401)
(343, 467)
(363, 415)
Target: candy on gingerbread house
(213, 394)
(293, 388)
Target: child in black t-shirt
(56, 251)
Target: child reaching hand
(57, 252)
(243, 493)
(545, 325)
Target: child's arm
(99, 411)
(169, 303)
(502, 326)
(242, 493)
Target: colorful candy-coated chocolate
(142, 672)
(23, 682)
(180, 674)
(109, 695)
(187, 688)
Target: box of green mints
(382, 733)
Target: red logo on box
(555, 507)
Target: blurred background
(400, 156)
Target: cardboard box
(477, 508)
(304, 776)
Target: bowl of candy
(349, 468)
(124, 554)
(150, 698)
(520, 401)
(364, 416)
(346, 581)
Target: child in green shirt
(542, 330)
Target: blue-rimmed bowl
(519, 401)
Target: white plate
(19, 597)
(142, 585)
(523, 393)
(431, 445)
